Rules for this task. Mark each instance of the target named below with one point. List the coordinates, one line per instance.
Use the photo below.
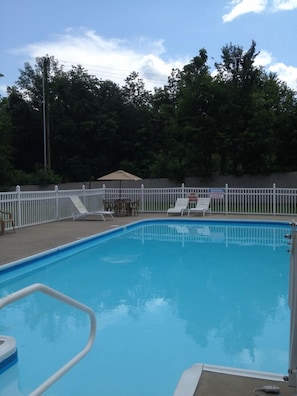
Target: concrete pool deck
(32, 240)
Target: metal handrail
(292, 371)
(54, 293)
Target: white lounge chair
(83, 212)
(180, 207)
(202, 206)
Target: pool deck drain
(32, 240)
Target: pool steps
(8, 352)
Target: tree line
(58, 125)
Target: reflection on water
(210, 231)
(166, 295)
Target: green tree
(26, 100)
(243, 120)
(73, 110)
(195, 117)
(164, 102)
(137, 131)
(27, 133)
(237, 80)
(5, 144)
(285, 126)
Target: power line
(112, 72)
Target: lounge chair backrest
(78, 204)
(203, 203)
(181, 202)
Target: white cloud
(3, 89)
(241, 7)
(284, 5)
(111, 59)
(264, 59)
(285, 73)
(115, 59)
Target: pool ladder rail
(6, 300)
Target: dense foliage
(240, 120)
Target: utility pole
(46, 133)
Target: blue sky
(112, 38)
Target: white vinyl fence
(36, 207)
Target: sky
(113, 38)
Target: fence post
(274, 199)
(226, 199)
(84, 193)
(57, 201)
(183, 189)
(18, 191)
(142, 198)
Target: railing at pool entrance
(6, 300)
(292, 371)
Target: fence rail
(37, 207)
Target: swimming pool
(166, 293)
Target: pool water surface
(166, 293)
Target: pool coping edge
(190, 378)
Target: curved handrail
(60, 296)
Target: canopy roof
(119, 175)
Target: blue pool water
(167, 294)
